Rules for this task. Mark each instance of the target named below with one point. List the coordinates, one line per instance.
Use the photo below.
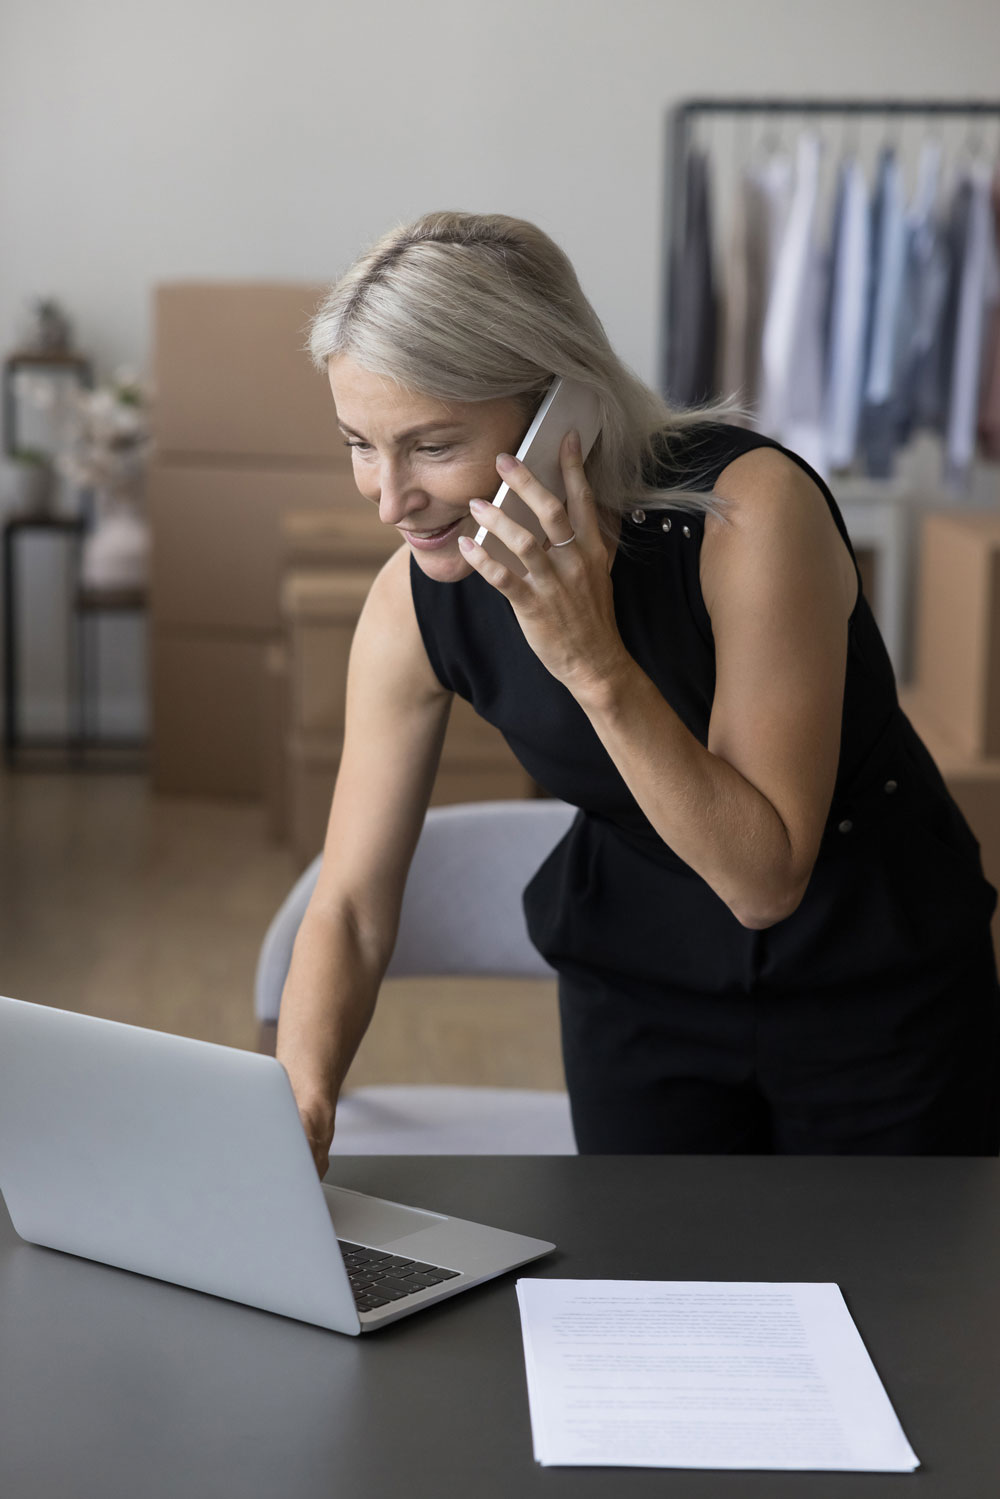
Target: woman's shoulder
(777, 513)
(693, 455)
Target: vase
(116, 552)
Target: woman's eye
(433, 450)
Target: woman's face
(421, 460)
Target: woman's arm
(747, 812)
(397, 713)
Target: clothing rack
(683, 118)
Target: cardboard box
(320, 611)
(311, 768)
(232, 375)
(274, 729)
(206, 713)
(481, 781)
(333, 537)
(312, 772)
(217, 548)
(973, 780)
(957, 673)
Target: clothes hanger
(971, 153)
(770, 143)
(892, 132)
(850, 139)
(926, 195)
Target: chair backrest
(461, 910)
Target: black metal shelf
(79, 745)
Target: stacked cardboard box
(246, 432)
(958, 628)
(274, 740)
(954, 703)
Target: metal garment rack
(681, 121)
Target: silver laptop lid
(175, 1158)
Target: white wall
(249, 138)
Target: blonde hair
(476, 307)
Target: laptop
(187, 1161)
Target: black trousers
(910, 1069)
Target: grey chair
(461, 914)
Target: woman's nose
(396, 498)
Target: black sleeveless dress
(869, 1019)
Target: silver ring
(563, 543)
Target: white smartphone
(566, 405)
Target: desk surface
(115, 1385)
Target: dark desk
(113, 1385)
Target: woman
(769, 918)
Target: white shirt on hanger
(849, 316)
(791, 400)
(763, 199)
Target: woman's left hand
(564, 603)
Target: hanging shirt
(921, 395)
(731, 370)
(768, 203)
(977, 282)
(804, 428)
(989, 407)
(791, 399)
(760, 212)
(878, 419)
(692, 328)
(847, 325)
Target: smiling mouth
(432, 535)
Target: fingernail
(573, 440)
(505, 462)
(477, 505)
(465, 543)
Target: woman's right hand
(318, 1118)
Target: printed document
(703, 1374)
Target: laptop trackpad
(370, 1220)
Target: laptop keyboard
(378, 1278)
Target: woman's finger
(523, 544)
(581, 507)
(499, 577)
(550, 511)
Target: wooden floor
(151, 910)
